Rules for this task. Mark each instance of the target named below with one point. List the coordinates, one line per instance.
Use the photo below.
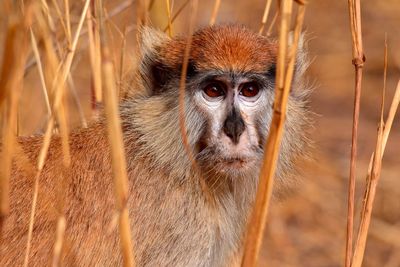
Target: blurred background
(307, 228)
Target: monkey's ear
(151, 39)
(153, 70)
(302, 61)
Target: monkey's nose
(234, 126)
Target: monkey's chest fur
(185, 227)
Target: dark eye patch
(271, 73)
(191, 69)
(161, 74)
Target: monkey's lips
(235, 162)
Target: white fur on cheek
(215, 112)
(224, 148)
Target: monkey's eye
(214, 90)
(249, 89)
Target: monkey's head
(229, 95)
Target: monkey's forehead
(228, 47)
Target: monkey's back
(83, 192)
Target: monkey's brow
(234, 76)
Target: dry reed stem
(117, 10)
(271, 26)
(68, 20)
(121, 62)
(58, 85)
(182, 88)
(284, 78)
(358, 61)
(118, 155)
(42, 157)
(369, 198)
(94, 53)
(118, 160)
(265, 16)
(46, 10)
(182, 83)
(215, 12)
(71, 53)
(111, 39)
(60, 110)
(61, 19)
(374, 171)
(169, 17)
(372, 178)
(40, 70)
(58, 245)
(11, 79)
(391, 115)
(367, 212)
(178, 12)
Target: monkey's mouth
(214, 158)
(235, 162)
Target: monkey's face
(229, 94)
(235, 109)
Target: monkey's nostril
(234, 126)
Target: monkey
(181, 214)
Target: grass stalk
(118, 155)
(61, 19)
(58, 85)
(372, 179)
(182, 82)
(40, 70)
(121, 62)
(11, 83)
(284, 78)
(67, 20)
(168, 6)
(214, 14)
(374, 168)
(58, 245)
(271, 26)
(265, 16)
(118, 160)
(94, 53)
(358, 62)
(177, 13)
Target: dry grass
(64, 31)
(11, 80)
(358, 62)
(284, 75)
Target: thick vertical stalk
(358, 61)
(284, 78)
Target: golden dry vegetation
(309, 227)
